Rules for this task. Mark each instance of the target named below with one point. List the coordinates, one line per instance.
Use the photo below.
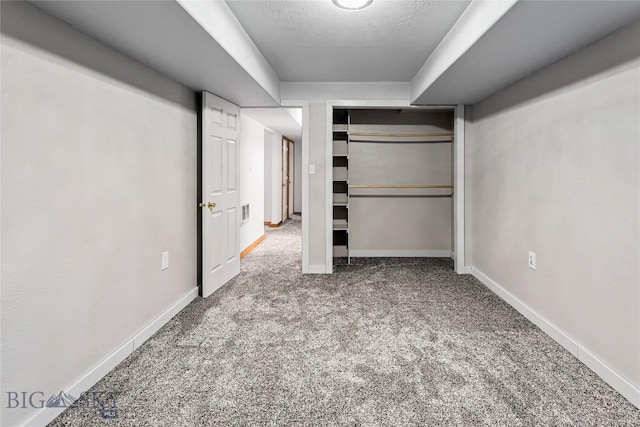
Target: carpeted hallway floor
(384, 342)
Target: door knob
(211, 205)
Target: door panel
(214, 171)
(220, 200)
(217, 228)
(231, 164)
(232, 217)
(232, 121)
(216, 115)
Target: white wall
(554, 162)
(251, 178)
(272, 176)
(267, 182)
(297, 178)
(98, 179)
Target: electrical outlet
(532, 260)
(165, 260)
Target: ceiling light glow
(352, 4)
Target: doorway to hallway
(271, 140)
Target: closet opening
(393, 182)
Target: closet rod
(408, 135)
(401, 196)
(401, 186)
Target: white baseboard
(611, 377)
(316, 269)
(161, 320)
(45, 415)
(465, 270)
(550, 329)
(399, 253)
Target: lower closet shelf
(340, 251)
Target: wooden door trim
(285, 192)
(283, 216)
(292, 162)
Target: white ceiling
(447, 51)
(285, 121)
(313, 40)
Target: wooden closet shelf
(340, 224)
(401, 186)
(402, 135)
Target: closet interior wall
(393, 176)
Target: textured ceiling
(313, 40)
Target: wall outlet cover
(165, 260)
(532, 260)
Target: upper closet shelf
(340, 128)
(398, 133)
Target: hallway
(383, 342)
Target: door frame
(286, 189)
(291, 197)
(458, 252)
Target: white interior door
(220, 199)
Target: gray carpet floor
(382, 342)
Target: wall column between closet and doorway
(304, 105)
(355, 142)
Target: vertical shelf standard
(341, 184)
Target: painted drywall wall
(267, 181)
(251, 152)
(318, 202)
(297, 178)
(317, 94)
(554, 162)
(99, 158)
(276, 177)
(272, 176)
